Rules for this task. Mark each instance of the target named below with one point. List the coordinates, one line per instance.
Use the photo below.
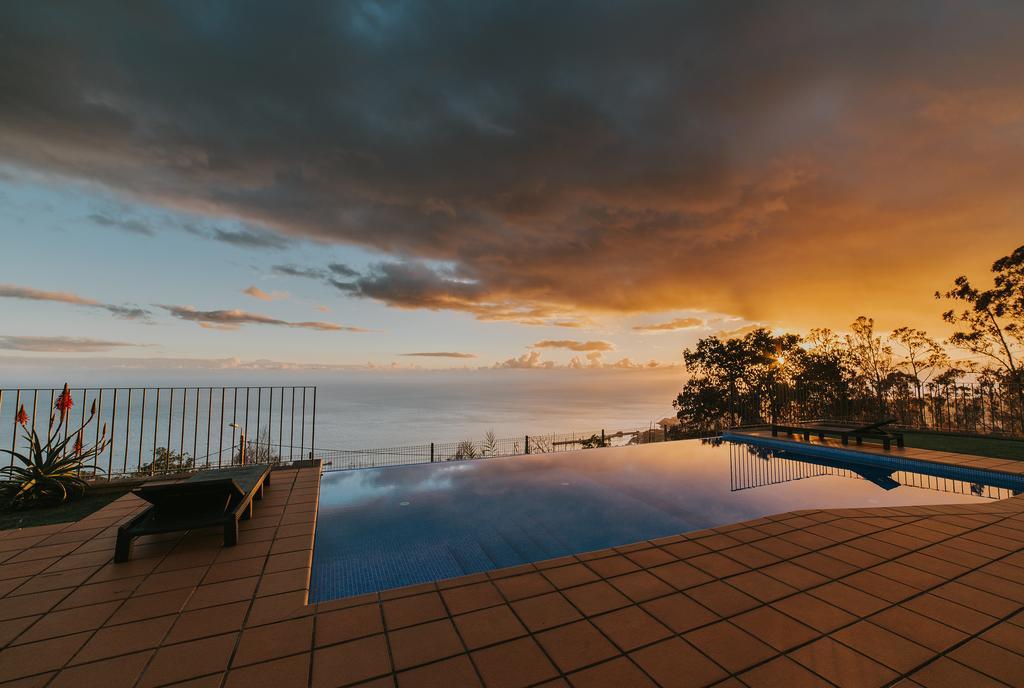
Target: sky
(493, 184)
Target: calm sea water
(367, 409)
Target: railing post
(527, 444)
(431, 452)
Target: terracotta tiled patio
(916, 596)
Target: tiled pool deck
(916, 596)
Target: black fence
(989, 409)
(159, 430)
(487, 447)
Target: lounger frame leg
(122, 547)
(231, 533)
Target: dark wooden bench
(220, 497)
(843, 431)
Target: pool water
(387, 527)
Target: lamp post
(241, 441)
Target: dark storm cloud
(560, 157)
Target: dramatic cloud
(11, 291)
(783, 160)
(59, 344)
(258, 293)
(232, 319)
(671, 325)
(441, 354)
(573, 345)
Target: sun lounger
(219, 497)
(843, 431)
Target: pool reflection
(381, 528)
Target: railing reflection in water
(752, 466)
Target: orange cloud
(573, 345)
(258, 293)
(670, 326)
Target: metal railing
(989, 409)
(751, 467)
(488, 447)
(159, 430)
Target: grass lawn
(979, 446)
(62, 513)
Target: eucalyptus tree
(990, 322)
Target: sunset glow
(398, 189)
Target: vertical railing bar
(259, 408)
(81, 424)
(127, 431)
(245, 424)
(280, 425)
(302, 433)
(195, 429)
(291, 430)
(64, 451)
(209, 422)
(99, 417)
(142, 430)
(14, 423)
(113, 420)
(220, 428)
(50, 426)
(181, 437)
(156, 431)
(35, 407)
(312, 430)
(234, 421)
(170, 421)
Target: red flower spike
(22, 417)
(64, 402)
(78, 443)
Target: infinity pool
(387, 527)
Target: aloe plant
(50, 472)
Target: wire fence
(989, 409)
(487, 447)
(148, 431)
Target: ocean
(388, 408)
